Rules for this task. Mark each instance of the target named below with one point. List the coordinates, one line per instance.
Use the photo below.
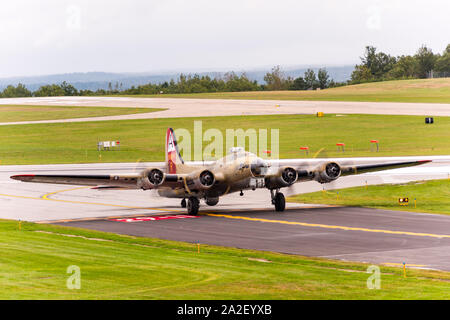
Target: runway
(354, 234)
(179, 107)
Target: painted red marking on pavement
(179, 216)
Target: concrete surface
(178, 107)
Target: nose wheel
(193, 205)
(278, 200)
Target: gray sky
(58, 36)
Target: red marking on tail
(171, 152)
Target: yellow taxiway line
(227, 216)
(47, 197)
(326, 226)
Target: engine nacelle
(327, 172)
(151, 179)
(285, 177)
(203, 181)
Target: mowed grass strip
(431, 196)
(143, 140)
(16, 113)
(34, 262)
(418, 90)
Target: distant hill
(100, 80)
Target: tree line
(380, 66)
(375, 66)
(229, 82)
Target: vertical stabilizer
(173, 158)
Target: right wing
(118, 180)
(141, 180)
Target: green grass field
(143, 140)
(419, 90)
(34, 261)
(432, 196)
(13, 113)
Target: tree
(377, 63)
(234, 82)
(323, 77)
(69, 90)
(49, 91)
(361, 73)
(276, 80)
(16, 92)
(310, 79)
(406, 67)
(298, 84)
(384, 64)
(369, 58)
(425, 60)
(443, 62)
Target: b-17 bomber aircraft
(237, 171)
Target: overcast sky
(57, 36)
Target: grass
(418, 90)
(432, 196)
(143, 140)
(34, 261)
(14, 113)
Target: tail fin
(173, 157)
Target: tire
(192, 206)
(183, 203)
(280, 202)
(212, 201)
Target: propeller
(332, 169)
(289, 175)
(207, 178)
(138, 168)
(156, 177)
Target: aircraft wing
(107, 181)
(326, 170)
(364, 168)
(119, 180)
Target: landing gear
(278, 200)
(212, 201)
(192, 206)
(183, 203)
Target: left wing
(327, 170)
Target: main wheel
(212, 201)
(192, 206)
(183, 203)
(280, 202)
